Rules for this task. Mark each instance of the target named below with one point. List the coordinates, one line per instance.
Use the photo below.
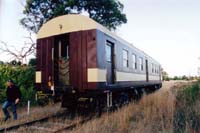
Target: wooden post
(28, 108)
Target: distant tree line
(32, 62)
(166, 77)
(184, 77)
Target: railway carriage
(80, 59)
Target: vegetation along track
(54, 124)
(59, 122)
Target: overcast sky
(167, 30)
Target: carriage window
(125, 58)
(63, 50)
(141, 63)
(152, 67)
(60, 49)
(134, 61)
(156, 69)
(108, 52)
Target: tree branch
(21, 54)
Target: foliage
(1, 62)
(106, 12)
(186, 115)
(22, 76)
(15, 63)
(32, 62)
(189, 95)
(184, 77)
(176, 78)
(165, 76)
(27, 94)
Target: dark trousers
(13, 107)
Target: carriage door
(61, 55)
(109, 49)
(147, 71)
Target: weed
(186, 116)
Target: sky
(11, 31)
(167, 30)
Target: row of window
(154, 68)
(134, 61)
(140, 61)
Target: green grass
(189, 95)
(187, 116)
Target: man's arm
(17, 101)
(18, 96)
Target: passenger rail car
(82, 59)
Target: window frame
(125, 65)
(141, 64)
(106, 53)
(134, 61)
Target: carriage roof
(76, 22)
(72, 23)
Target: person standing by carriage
(13, 96)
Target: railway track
(56, 123)
(52, 124)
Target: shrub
(32, 62)
(188, 95)
(186, 116)
(22, 76)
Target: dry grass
(35, 113)
(153, 113)
(52, 125)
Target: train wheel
(122, 99)
(98, 108)
(140, 93)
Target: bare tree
(19, 54)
